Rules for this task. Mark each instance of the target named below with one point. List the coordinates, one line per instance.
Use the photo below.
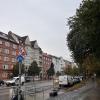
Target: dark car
(1, 82)
(76, 79)
(28, 79)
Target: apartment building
(10, 43)
(25, 43)
(47, 60)
(33, 51)
(60, 64)
(8, 47)
(37, 56)
(68, 64)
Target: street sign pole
(20, 58)
(19, 88)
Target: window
(44, 62)
(0, 42)
(5, 66)
(13, 60)
(14, 53)
(7, 44)
(14, 46)
(6, 51)
(4, 74)
(6, 59)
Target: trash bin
(53, 93)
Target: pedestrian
(16, 97)
(93, 77)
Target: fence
(42, 93)
(33, 93)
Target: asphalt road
(88, 92)
(5, 91)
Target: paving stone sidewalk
(94, 94)
(89, 92)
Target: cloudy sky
(42, 20)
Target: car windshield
(13, 78)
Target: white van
(15, 81)
(65, 80)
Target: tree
(72, 71)
(84, 36)
(75, 71)
(16, 69)
(51, 71)
(68, 70)
(58, 73)
(34, 69)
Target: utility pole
(19, 87)
(20, 58)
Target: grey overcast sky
(42, 20)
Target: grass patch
(76, 86)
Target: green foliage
(51, 70)
(58, 73)
(34, 69)
(72, 71)
(84, 36)
(16, 69)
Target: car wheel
(60, 85)
(8, 84)
(2, 83)
(22, 83)
(69, 84)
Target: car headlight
(56, 81)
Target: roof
(9, 33)
(23, 39)
(33, 43)
(6, 36)
(3, 35)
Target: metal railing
(33, 93)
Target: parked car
(76, 79)
(65, 80)
(15, 81)
(81, 78)
(36, 78)
(28, 78)
(1, 82)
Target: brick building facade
(8, 49)
(47, 60)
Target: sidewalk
(94, 94)
(88, 92)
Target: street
(5, 91)
(88, 92)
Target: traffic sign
(20, 58)
(21, 51)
